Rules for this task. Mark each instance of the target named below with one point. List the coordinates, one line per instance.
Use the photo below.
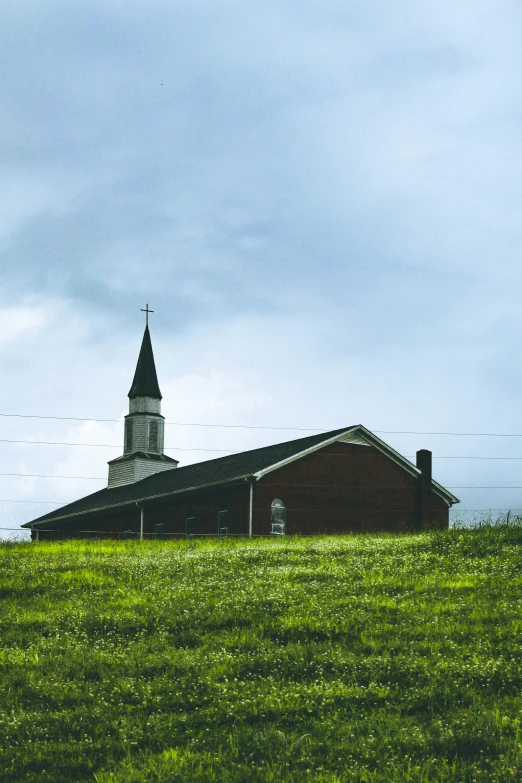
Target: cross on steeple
(146, 311)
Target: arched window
(278, 517)
(128, 435)
(153, 436)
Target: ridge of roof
(145, 382)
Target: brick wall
(345, 488)
(172, 515)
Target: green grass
(369, 658)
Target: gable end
(359, 435)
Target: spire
(145, 383)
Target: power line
(265, 427)
(279, 484)
(59, 418)
(59, 443)
(175, 423)
(136, 534)
(382, 486)
(43, 475)
(361, 486)
(104, 445)
(224, 451)
(463, 434)
(52, 502)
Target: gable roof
(223, 470)
(145, 383)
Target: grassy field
(368, 658)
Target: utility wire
(52, 502)
(44, 475)
(398, 486)
(280, 484)
(182, 448)
(289, 508)
(264, 427)
(104, 445)
(135, 534)
(59, 418)
(176, 423)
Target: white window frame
(222, 529)
(278, 511)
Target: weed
(333, 659)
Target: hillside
(369, 658)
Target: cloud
(19, 323)
(320, 201)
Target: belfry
(144, 425)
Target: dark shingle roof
(215, 471)
(145, 383)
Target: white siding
(120, 473)
(145, 467)
(135, 469)
(357, 440)
(144, 405)
(140, 439)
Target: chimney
(424, 465)
(423, 482)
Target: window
(153, 435)
(159, 530)
(128, 435)
(223, 520)
(191, 526)
(278, 517)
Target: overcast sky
(320, 199)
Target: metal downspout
(251, 480)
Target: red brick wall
(345, 488)
(85, 526)
(341, 488)
(172, 514)
(204, 507)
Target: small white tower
(144, 425)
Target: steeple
(145, 383)
(144, 425)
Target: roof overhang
(128, 504)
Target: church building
(343, 481)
